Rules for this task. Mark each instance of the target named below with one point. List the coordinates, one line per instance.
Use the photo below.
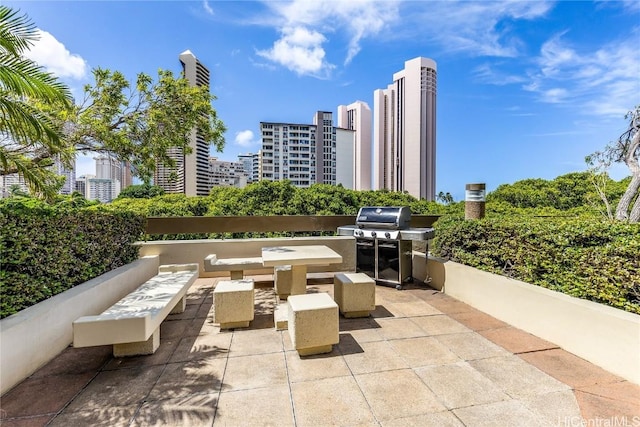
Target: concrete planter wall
(603, 335)
(188, 251)
(32, 337)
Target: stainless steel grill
(383, 243)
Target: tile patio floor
(421, 359)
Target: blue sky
(525, 89)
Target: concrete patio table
(299, 258)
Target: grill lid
(388, 217)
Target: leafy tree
(141, 123)
(143, 191)
(29, 138)
(626, 149)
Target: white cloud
(244, 138)
(300, 50)
(602, 81)
(473, 27)
(207, 7)
(303, 26)
(54, 56)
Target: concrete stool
(289, 281)
(313, 323)
(233, 302)
(355, 294)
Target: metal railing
(261, 224)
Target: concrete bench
(236, 266)
(132, 325)
(313, 323)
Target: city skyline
(525, 89)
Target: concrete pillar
(474, 203)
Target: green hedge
(45, 250)
(581, 257)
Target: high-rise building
(404, 131)
(227, 174)
(247, 163)
(108, 168)
(357, 117)
(325, 147)
(191, 172)
(288, 152)
(345, 157)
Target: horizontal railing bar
(260, 224)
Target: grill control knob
(387, 235)
(359, 233)
(373, 234)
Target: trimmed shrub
(581, 257)
(45, 250)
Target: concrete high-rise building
(325, 147)
(357, 117)
(227, 174)
(404, 131)
(288, 152)
(247, 163)
(191, 172)
(345, 157)
(108, 168)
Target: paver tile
(516, 340)
(471, 346)
(38, 421)
(423, 351)
(374, 357)
(76, 360)
(416, 307)
(188, 411)
(440, 324)
(174, 328)
(270, 406)
(397, 328)
(316, 367)
(446, 304)
(363, 329)
(205, 345)
(476, 320)
(160, 357)
(397, 394)
(499, 414)
(569, 368)
(440, 419)
(596, 408)
(556, 407)
(122, 387)
(42, 395)
(516, 377)
(255, 341)
(254, 371)
(331, 402)
(107, 416)
(458, 385)
(622, 390)
(187, 378)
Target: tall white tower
(404, 131)
(357, 117)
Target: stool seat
(233, 303)
(313, 323)
(355, 294)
